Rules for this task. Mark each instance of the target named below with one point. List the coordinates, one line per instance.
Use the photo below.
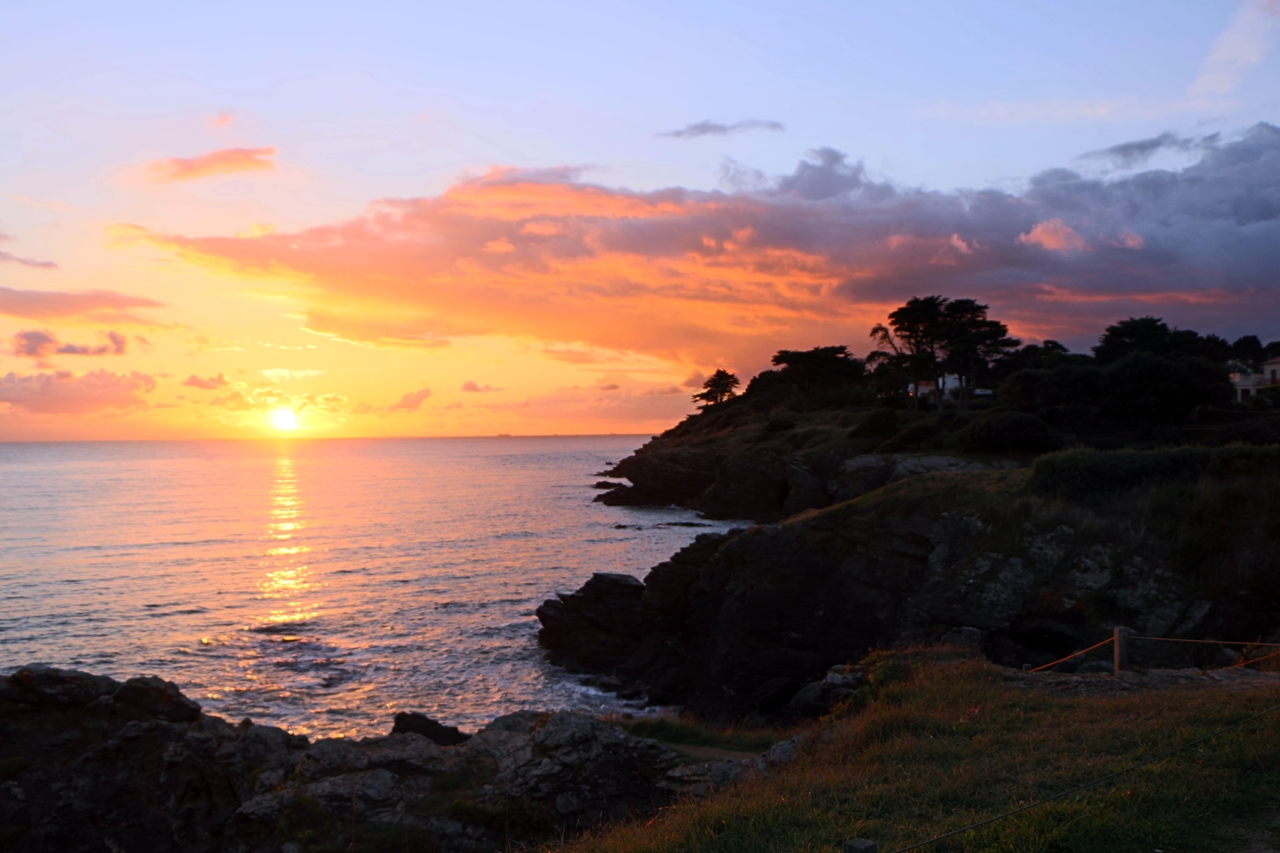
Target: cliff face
(736, 624)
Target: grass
(954, 744)
(690, 733)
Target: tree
(821, 367)
(914, 341)
(1151, 335)
(718, 388)
(971, 342)
(1137, 334)
(1249, 351)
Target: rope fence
(1119, 640)
(1122, 636)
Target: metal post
(1120, 652)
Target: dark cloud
(715, 128)
(209, 384)
(1129, 154)
(34, 344)
(830, 176)
(117, 344)
(40, 344)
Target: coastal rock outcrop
(735, 625)
(767, 486)
(88, 763)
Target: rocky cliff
(731, 461)
(88, 763)
(1035, 564)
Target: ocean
(318, 585)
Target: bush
(1001, 431)
(1152, 388)
(909, 438)
(881, 423)
(1079, 474)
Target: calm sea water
(317, 585)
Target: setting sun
(284, 419)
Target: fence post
(1120, 651)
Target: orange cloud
(209, 384)
(707, 278)
(221, 162)
(1053, 235)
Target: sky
(394, 219)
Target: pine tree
(718, 388)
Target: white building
(1247, 383)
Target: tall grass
(955, 744)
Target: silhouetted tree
(1152, 335)
(912, 341)
(1249, 351)
(718, 388)
(821, 367)
(971, 342)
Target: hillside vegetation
(951, 743)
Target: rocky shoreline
(748, 625)
(88, 763)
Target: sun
(284, 419)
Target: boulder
(93, 764)
(433, 731)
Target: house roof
(1272, 361)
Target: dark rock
(98, 765)
(433, 731)
(1095, 666)
(590, 629)
(745, 624)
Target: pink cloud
(221, 162)
(6, 257)
(64, 393)
(41, 344)
(412, 401)
(222, 119)
(1053, 235)
(104, 305)
(471, 386)
(209, 384)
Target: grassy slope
(953, 744)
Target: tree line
(1140, 367)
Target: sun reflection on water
(287, 581)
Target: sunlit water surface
(317, 585)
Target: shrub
(881, 423)
(908, 438)
(1002, 431)
(1079, 474)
